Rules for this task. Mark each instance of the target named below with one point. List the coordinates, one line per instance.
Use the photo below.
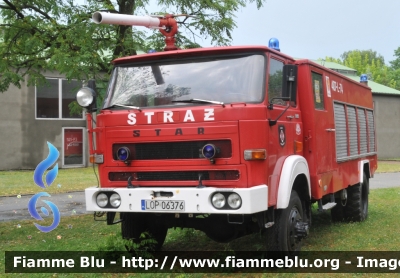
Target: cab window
(275, 78)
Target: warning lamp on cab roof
(274, 44)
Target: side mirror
(289, 82)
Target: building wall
(23, 139)
(387, 117)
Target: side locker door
(324, 128)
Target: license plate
(162, 205)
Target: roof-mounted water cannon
(167, 24)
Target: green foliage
(368, 56)
(58, 35)
(142, 247)
(395, 69)
(370, 63)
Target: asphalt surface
(16, 207)
(73, 203)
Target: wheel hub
(294, 228)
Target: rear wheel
(283, 237)
(356, 208)
(337, 212)
(134, 224)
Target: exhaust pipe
(124, 19)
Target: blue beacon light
(363, 78)
(274, 44)
(123, 153)
(209, 151)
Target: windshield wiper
(125, 106)
(194, 100)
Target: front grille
(173, 150)
(174, 176)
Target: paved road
(13, 208)
(385, 180)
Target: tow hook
(302, 230)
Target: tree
(395, 69)
(367, 62)
(366, 55)
(58, 35)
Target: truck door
(288, 127)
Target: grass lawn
(80, 233)
(68, 180)
(388, 166)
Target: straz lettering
(208, 114)
(131, 118)
(168, 116)
(178, 131)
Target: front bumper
(197, 200)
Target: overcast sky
(318, 28)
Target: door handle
(330, 129)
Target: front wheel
(284, 238)
(134, 224)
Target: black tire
(159, 232)
(337, 212)
(356, 209)
(281, 237)
(134, 224)
(219, 230)
(131, 226)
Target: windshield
(227, 80)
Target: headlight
(115, 200)
(123, 153)
(234, 201)
(85, 97)
(218, 200)
(102, 200)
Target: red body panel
(246, 126)
(319, 148)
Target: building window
(318, 91)
(73, 148)
(54, 97)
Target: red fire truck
(229, 141)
